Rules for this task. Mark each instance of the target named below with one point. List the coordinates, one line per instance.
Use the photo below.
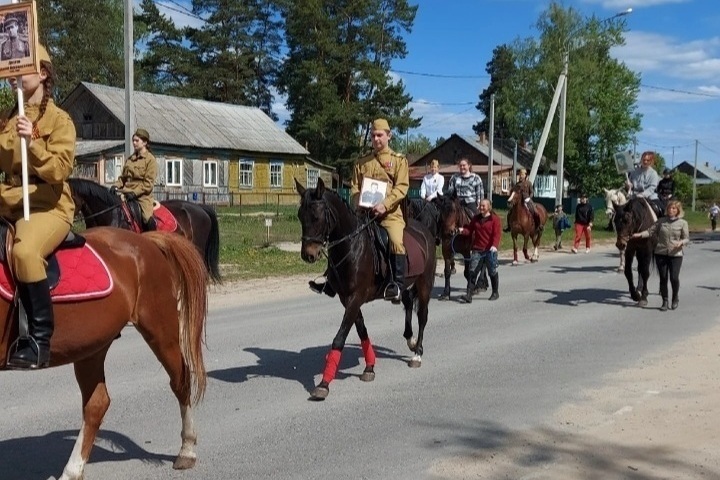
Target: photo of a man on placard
(14, 45)
(372, 195)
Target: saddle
(74, 270)
(415, 253)
(164, 219)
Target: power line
(445, 118)
(181, 10)
(423, 102)
(708, 148)
(438, 75)
(668, 147)
(675, 90)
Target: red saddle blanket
(83, 276)
(416, 256)
(164, 219)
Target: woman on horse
(50, 137)
(524, 189)
(138, 177)
(467, 187)
(433, 182)
(643, 182)
(672, 234)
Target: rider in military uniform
(385, 165)
(50, 136)
(138, 177)
(14, 46)
(524, 189)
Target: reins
(101, 212)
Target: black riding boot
(325, 288)
(35, 351)
(394, 289)
(495, 283)
(150, 225)
(467, 298)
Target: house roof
(90, 147)
(197, 123)
(703, 171)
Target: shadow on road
(299, 366)
(497, 452)
(44, 456)
(586, 269)
(585, 296)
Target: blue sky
(673, 44)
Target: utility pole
(129, 78)
(634, 149)
(695, 178)
(560, 174)
(514, 170)
(672, 162)
(491, 149)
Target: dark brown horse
(100, 207)
(634, 217)
(522, 223)
(357, 272)
(159, 285)
(453, 217)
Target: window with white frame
(113, 168)
(276, 167)
(210, 173)
(246, 173)
(173, 172)
(312, 177)
(505, 184)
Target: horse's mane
(640, 212)
(88, 188)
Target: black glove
(113, 190)
(130, 196)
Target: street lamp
(563, 111)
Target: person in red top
(485, 230)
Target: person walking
(466, 186)
(584, 217)
(485, 230)
(433, 183)
(137, 179)
(560, 224)
(49, 133)
(671, 233)
(713, 214)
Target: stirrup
(23, 364)
(387, 295)
(316, 287)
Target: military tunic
(51, 156)
(524, 188)
(11, 49)
(138, 176)
(390, 167)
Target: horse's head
(451, 215)
(628, 218)
(96, 203)
(614, 196)
(317, 220)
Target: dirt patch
(656, 420)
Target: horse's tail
(212, 248)
(190, 279)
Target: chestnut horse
(522, 223)
(356, 271)
(159, 285)
(198, 223)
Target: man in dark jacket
(666, 186)
(584, 216)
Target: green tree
(336, 76)
(501, 69)
(415, 143)
(602, 94)
(684, 187)
(85, 40)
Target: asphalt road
(489, 369)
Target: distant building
(705, 173)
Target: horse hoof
(184, 463)
(515, 263)
(444, 297)
(533, 260)
(367, 377)
(320, 393)
(642, 303)
(453, 271)
(415, 362)
(412, 343)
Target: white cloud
(622, 4)
(711, 89)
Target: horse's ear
(320, 189)
(300, 189)
(607, 192)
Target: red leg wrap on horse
(368, 352)
(331, 365)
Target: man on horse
(138, 177)
(467, 187)
(524, 189)
(388, 166)
(666, 186)
(643, 182)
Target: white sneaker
(587, 250)
(573, 250)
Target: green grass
(245, 252)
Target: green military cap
(142, 133)
(43, 54)
(381, 124)
(522, 170)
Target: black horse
(100, 207)
(634, 217)
(358, 272)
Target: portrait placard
(372, 192)
(18, 39)
(624, 162)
